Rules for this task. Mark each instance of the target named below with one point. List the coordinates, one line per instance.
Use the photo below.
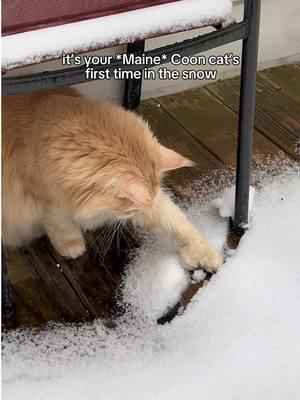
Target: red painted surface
(27, 15)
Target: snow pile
(238, 339)
(32, 47)
(156, 278)
(225, 204)
(155, 281)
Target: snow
(156, 277)
(32, 47)
(225, 204)
(198, 275)
(239, 338)
(155, 281)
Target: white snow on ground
(156, 278)
(238, 339)
(31, 47)
(225, 204)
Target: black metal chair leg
(7, 302)
(246, 118)
(133, 87)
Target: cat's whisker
(92, 244)
(115, 230)
(123, 234)
(102, 237)
(108, 239)
(118, 237)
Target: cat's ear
(138, 193)
(169, 160)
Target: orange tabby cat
(71, 164)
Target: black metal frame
(246, 30)
(246, 115)
(133, 87)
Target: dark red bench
(27, 15)
(81, 26)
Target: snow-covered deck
(44, 44)
(211, 144)
(239, 337)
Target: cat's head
(119, 172)
(122, 191)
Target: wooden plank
(276, 116)
(96, 275)
(285, 79)
(212, 124)
(40, 291)
(173, 135)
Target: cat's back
(21, 112)
(22, 108)
(62, 119)
(16, 109)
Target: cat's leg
(166, 218)
(65, 236)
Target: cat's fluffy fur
(71, 164)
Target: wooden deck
(202, 125)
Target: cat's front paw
(199, 253)
(72, 248)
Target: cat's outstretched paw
(198, 254)
(72, 248)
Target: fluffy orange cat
(70, 164)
